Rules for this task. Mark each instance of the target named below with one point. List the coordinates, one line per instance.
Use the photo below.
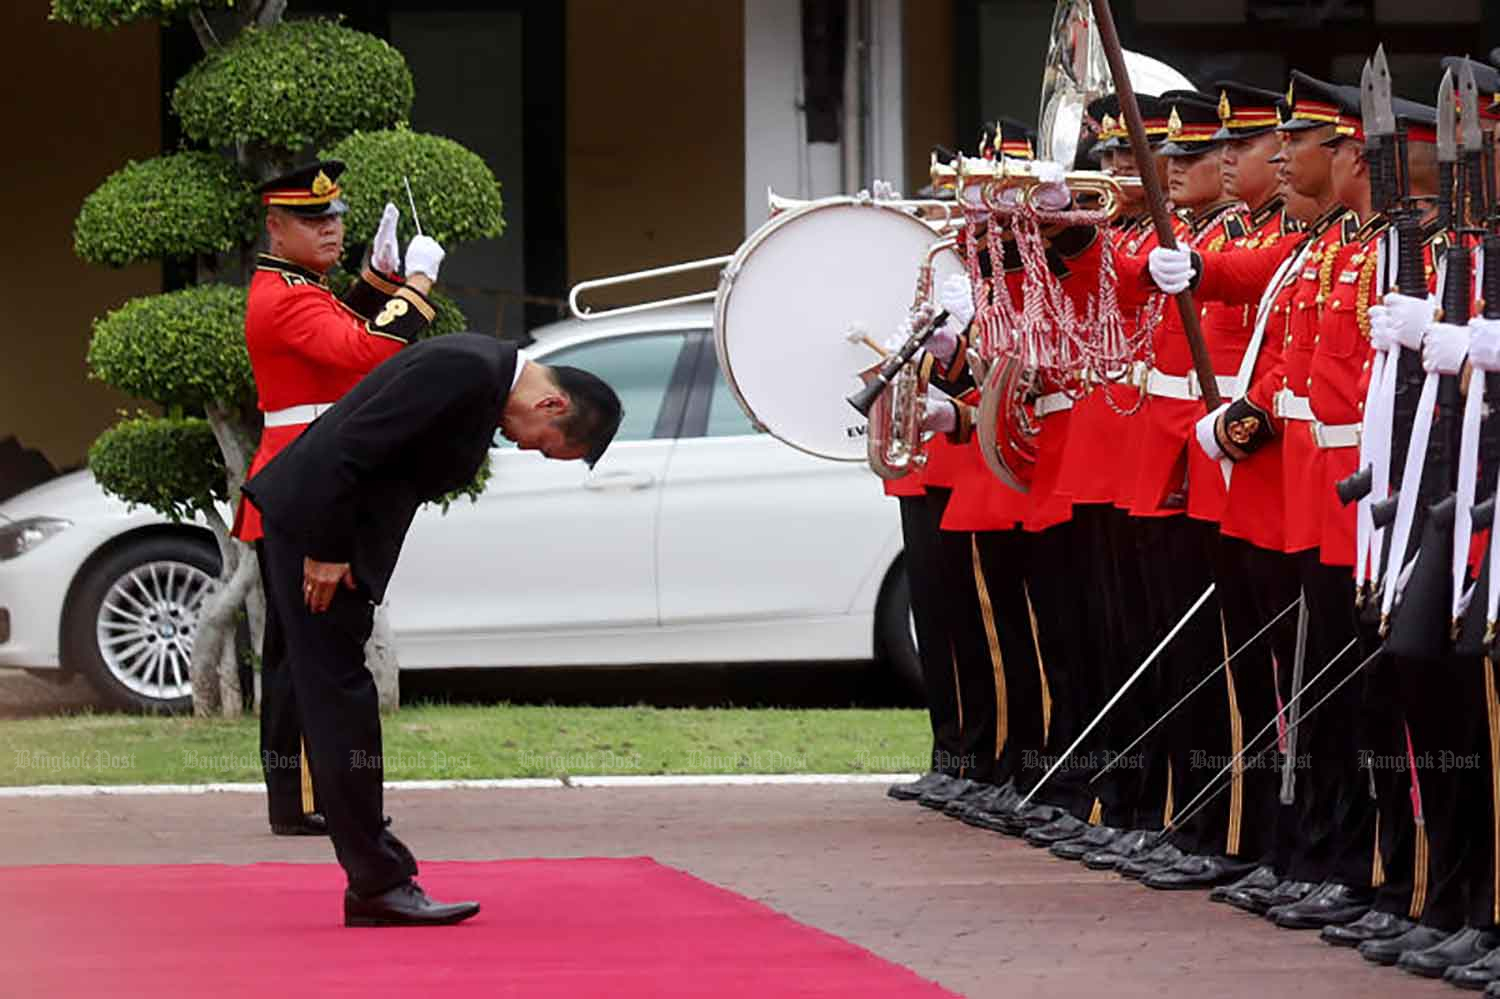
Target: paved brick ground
(982, 914)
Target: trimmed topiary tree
(264, 92)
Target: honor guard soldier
(307, 348)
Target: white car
(695, 539)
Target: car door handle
(619, 480)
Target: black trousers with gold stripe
(1401, 878)
(928, 586)
(288, 788)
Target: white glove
(1484, 344)
(938, 414)
(1382, 329)
(423, 256)
(1444, 348)
(385, 253)
(1204, 430)
(1410, 317)
(1052, 197)
(884, 190)
(1171, 270)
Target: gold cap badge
(1225, 111)
(321, 185)
(1174, 125)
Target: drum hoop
(731, 272)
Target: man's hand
(320, 580)
(938, 414)
(1382, 329)
(1484, 344)
(385, 252)
(1444, 348)
(1410, 318)
(1171, 270)
(423, 256)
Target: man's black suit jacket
(414, 429)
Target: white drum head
(788, 300)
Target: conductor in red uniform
(307, 349)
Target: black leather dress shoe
(1198, 871)
(1284, 894)
(1128, 846)
(1492, 990)
(1389, 950)
(1331, 903)
(1475, 974)
(914, 789)
(1064, 827)
(1263, 877)
(1464, 947)
(1373, 925)
(311, 824)
(1093, 839)
(939, 797)
(1016, 821)
(1165, 855)
(970, 799)
(993, 809)
(404, 905)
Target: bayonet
(1447, 154)
(1385, 117)
(1380, 181)
(1471, 138)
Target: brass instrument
(991, 180)
(896, 388)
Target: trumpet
(894, 436)
(990, 182)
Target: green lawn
(444, 741)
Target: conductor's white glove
(1382, 329)
(1484, 344)
(1410, 318)
(1444, 348)
(385, 253)
(938, 414)
(1171, 270)
(423, 256)
(1204, 431)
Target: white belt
(1052, 402)
(294, 416)
(1184, 386)
(1331, 435)
(1290, 406)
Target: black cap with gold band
(1314, 103)
(1113, 133)
(1007, 137)
(1246, 111)
(311, 190)
(1192, 123)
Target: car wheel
(897, 634)
(132, 621)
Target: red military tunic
(1097, 462)
(306, 348)
(1164, 461)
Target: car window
(639, 368)
(725, 416)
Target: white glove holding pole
(1444, 348)
(423, 256)
(1171, 270)
(1382, 329)
(1204, 431)
(1410, 318)
(938, 414)
(385, 252)
(1484, 344)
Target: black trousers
(1006, 644)
(340, 713)
(1335, 811)
(928, 586)
(280, 726)
(1400, 888)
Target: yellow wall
(82, 103)
(927, 26)
(656, 137)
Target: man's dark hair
(595, 412)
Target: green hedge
(172, 466)
(293, 84)
(457, 195)
(113, 13)
(184, 348)
(173, 206)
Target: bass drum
(788, 301)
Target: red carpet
(564, 928)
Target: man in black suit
(337, 503)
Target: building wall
(928, 34)
(655, 137)
(69, 132)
